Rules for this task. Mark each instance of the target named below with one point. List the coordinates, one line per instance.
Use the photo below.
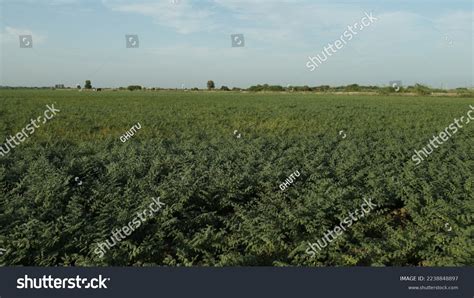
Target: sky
(185, 43)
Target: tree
(225, 88)
(88, 84)
(352, 88)
(134, 87)
(78, 86)
(276, 88)
(210, 85)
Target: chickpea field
(217, 161)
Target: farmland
(224, 206)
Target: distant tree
(324, 88)
(210, 85)
(78, 86)
(134, 87)
(266, 87)
(464, 92)
(304, 88)
(88, 84)
(422, 89)
(256, 88)
(225, 88)
(275, 88)
(352, 88)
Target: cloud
(183, 16)
(268, 22)
(11, 35)
(298, 23)
(42, 2)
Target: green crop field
(217, 160)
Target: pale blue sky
(188, 42)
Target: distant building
(59, 86)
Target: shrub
(302, 88)
(276, 88)
(322, 88)
(464, 92)
(422, 90)
(385, 90)
(352, 88)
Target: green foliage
(266, 87)
(352, 88)
(223, 203)
(385, 90)
(421, 89)
(88, 85)
(304, 88)
(322, 88)
(134, 87)
(464, 92)
(210, 85)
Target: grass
(224, 206)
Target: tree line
(419, 89)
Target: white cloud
(183, 16)
(270, 22)
(42, 2)
(11, 35)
